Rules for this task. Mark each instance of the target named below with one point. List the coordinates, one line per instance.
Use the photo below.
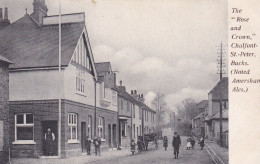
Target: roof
(224, 115)
(125, 95)
(5, 60)
(215, 91)
(202, 104)
(103, 67)
(30, 46)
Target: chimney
(39, 10)
(134, 95)
(132, 92)
(141, 98)
(6, 13)
(121, 86)
(4, 22)
(1, 13)
(120, 82)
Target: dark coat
(132, 146)
(140, 145)
(201, 142)
(176, 141)
(165, 142)
(88, 143)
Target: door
(114, 136)
(54, 128)
(83, 136)
(109, 136)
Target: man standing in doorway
(176, 143)
(49, 140)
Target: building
(4, 104)
(212, 113)
(36, 85)
(198, 124)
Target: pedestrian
(176, 143)
(133, 147)
(88, 145)
(97, 143)
(192, 142)
(201, 142)
(145, 142)
(49, 140)
(139, 145)
(189, 146)
(165, 142)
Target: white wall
(33, 85)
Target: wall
(217, 126)
(137, 122)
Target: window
(24, 127)
(80, 80)
(107, 93)
(140, 113)
(137, 131)
(122, 104)
(89, 127)
(101, 131)
(123, 129)
(134, 130)
(133, 111)
(128, 106)
(114, 98)
(73, 130)
(140, 128)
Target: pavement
(212, 154)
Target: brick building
(32, 43)
(4, 104)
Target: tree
(160, 106)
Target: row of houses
(207, 122)
(82, 98)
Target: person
(201, 142)
(156, 142)
(145, 142)
(97, 143)
(165, 142)
(176, 143)
(88, 145)
(189, 143)
(139, 145)
(133, 147)
(49, 140)
(192, 142)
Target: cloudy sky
(166, 46)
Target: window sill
(73, 141)
(81, 94)
(24, 142)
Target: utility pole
(220, 69)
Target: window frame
(101, 125)
(80, 86)
(24, 124)
(89, 126)
(73, 122)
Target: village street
(161, 156)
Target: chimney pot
(6, 13)
(1, 13)
(132, 92)
(135, 92)
(120, 82)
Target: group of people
(96, 143)
(142, 144)
(191, 142)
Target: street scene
(94, 81)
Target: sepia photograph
(114, 81)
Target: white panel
(71, 18)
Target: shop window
(24, 127)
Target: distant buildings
(91, 102)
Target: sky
(166, 46)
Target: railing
(224, 139)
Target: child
(133, 147)
(188, 143)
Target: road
(161, 156)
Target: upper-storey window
(114, 97)
(80, 80)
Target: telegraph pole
(221, 65)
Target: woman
(201, 143)
(139, 145)
(133, 147)
(165, 142)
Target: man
(88, 145)
(97, 143)
(49, 139)
(176, 143)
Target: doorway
(114, 135)
(83, 136)
(109, 136)
(54, 128)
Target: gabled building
(198, 124)
(32, 43)
(212, 113)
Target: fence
(224, 139)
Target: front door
(114, 136)
(109, 136)
(83, 136)
(49, 148)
